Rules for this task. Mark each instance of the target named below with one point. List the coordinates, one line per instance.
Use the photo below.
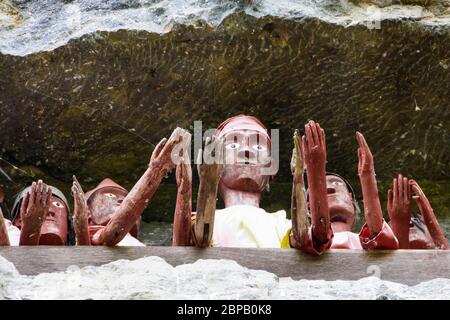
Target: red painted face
(246, 153)
(340, 203)
(104, 203)
(54, 230)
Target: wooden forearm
(131, 208)
(432, 224)
(81, 226)
(299, 212)
(30, 234)
(4, 238)
(182, 218)
(82, 237)
(206, 209)
(401, 231)
(372, 207)
(318, 204)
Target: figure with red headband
(241, 177)
(331, 201)
(109, 214)
(39, 217)
(421, 231)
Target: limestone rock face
(89, 87)
(154, 278)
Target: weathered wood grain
(404, 266)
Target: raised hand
(315, 155)
(299, 213)
(366, 171)
(429, 217)
(297, 166)
(184, 170)
(33, 212)
(210, 173)
(207, 167)
(162, 156)
(80, 214)
(365, 158)
(314, 147)
(399, 209)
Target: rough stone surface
(153, 278)
(88, 87)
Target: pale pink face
(103, 205)
(54, 230)
(340, 202)
(246, 152)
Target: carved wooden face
(104, 203)
(246, 153)
(340, 203)
(54, 230)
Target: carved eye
(259, 147)
(57, 204)
(337, 183)
(233, 145)
(110, 195)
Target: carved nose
(331, 190)
(246, 154)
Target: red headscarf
(105, 183)
(242, 122)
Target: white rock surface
(153, 278)
(40, 25)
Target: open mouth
(338, 218)
(246, 161)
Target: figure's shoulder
(7, 222)
(13, 233)
(281, 212)
(346, 240)
(130, 241)
(279, 215)
(9, 226)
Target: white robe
(249, 226)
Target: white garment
(346, 240)
(13, 233)
(130, 241)
(248, 226)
